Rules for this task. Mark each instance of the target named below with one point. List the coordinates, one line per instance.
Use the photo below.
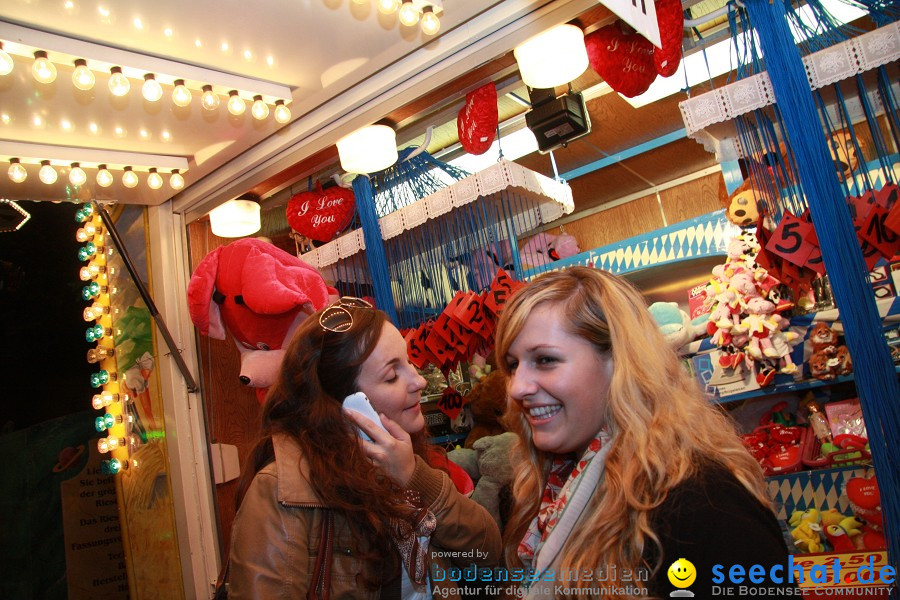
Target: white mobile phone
(360, 403)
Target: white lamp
(235, 218)
(554, 57)
(367, 150)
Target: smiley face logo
(682, 573)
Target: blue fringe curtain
(876, 378)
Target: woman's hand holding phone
(389, 446)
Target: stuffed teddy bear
(490, 465)
(487, 401)
(260, 294)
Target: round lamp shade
(552, 58)
(235, 218)
(367, 150)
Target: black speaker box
(557, 121)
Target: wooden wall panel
(615, 224)
(232, 410)
(691, 199)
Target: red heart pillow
(623, 60)
(865, 500)
(671, 31)
(476, 122)
(321, 214)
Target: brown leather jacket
(276, 534)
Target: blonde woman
(628, 467)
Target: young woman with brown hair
(320, 508)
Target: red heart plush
(476, 122)
(670, 19)
(320, 214)
(623, 60)
(863, 492)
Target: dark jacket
(711, 519)
(276, 533)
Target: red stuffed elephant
(259, 293)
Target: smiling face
(559, 380)
(682, 573)
(392, 384)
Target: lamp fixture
(388, 7)
(6, 61)
(236, 104)
(181, 96)
(104, 177)
(48, 48)
(368, 150)
(129, 178)
(118, 83)
(209, 100)
(409, 14)
(282, 112)
(176, 181)
(235, 218)
(431, 24)
(47, 174)
(21, 154)
(77, 176)
(151, 90)
(259, 110)
(82, 77)
(43, 70)
(17, 173)
(552, 58)
(154, 179)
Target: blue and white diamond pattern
(706, 235)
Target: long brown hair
(660, 424)
(320, 369)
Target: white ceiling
(345, 64)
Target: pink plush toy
(259, 293)
(543, 248)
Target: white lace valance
(553, 200)
(833, 64)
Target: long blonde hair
(660, 423)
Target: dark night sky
(43, 369)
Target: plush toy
(490, 465)
(674, 323)
(823, 338)
(544, 248)
(865, 500)
(742, 205)
(488, 403)
(260, 294)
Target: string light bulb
(104, 399)
(104, 177)
(259, 110)
(82, 77)
(89, 272)
(209, 99)
(176, 181)
(430, 22)
(129, 178)
(151, 90)
(282, 112)
(118, 83)
(17, 172)
(236, 105)
(95, 355)
(181, 96)
(388, 7)
(77, 176)
(6, 62)
(47, 174)
(43, 70)
(409, 14)
(154, 180)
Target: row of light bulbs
(48, 175)
(83, 78)
(409, 15)
(115, 420)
